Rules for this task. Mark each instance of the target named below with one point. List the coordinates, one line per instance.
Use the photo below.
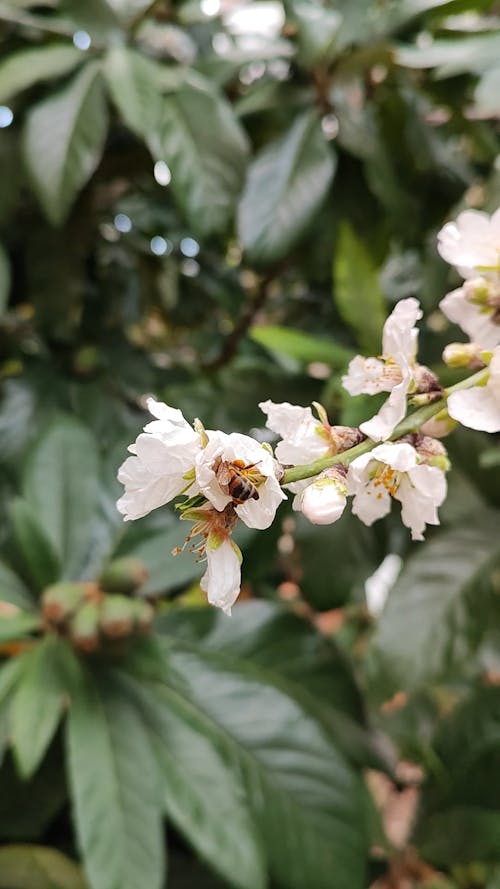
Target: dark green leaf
(133, 81)
(201, 795)
(17, 626)
(40, 560)
(286, 185)
(28, 807)
(165, 571)
(38, 701)
(61, 485)
(461, 834)
(63, 141)
(307, 801)
(441, 595)
(206, 150)
(13, 589)
(115, 793)
(38, 867)
(357, 291)
(4, 279)
(317, 27)
(27, 67)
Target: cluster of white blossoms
(225, 478)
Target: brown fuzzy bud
(430, 450)
(61, 600)
(84, 627)
(425, 381)
(117, 616)
(345, 437)
(125, 575)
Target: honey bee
(235, 480)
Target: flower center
(207, 520)
(386, 477)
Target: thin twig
(232, 342)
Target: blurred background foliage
(219, 203)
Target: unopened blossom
(472, 245)
(324, 501)
(394, 471)
(393, 372)
(163, 458)
(235, 455)
(479, 407)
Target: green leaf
(63, 141)
(286, 185)
(27, 808)
(18, 626)
(133, 81)
(487, 93)
(38, 867)
(454, 56)
(317, 30)
(206, 150)
(61, 485)
(200, 794)
(357, 292)
(40, 560)
(305, 347)
(38, 701)
(165, 571)
(28, 67)
(306, 800)
(4, 279)
(13, 589)
(114, 788)
(461, 834)
(442, 595)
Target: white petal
(285, 418)
(470, 242)
(323, 502)
(366, 376)
(382, 425)
(143, 490)
(399, 456)
(420, 493)
(477, 408)
(162, 411)
(399, 329)
(476, 323)
(371, 503)
(260, 513)
(222, 579)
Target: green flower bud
(61, 600)
(84, 627)
(117, 616)
(144, 615)
(123, 575)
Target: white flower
(304, 437)
(479, 407)
(391, 373)
(472, 243)
(392, 470)
(324, 501)
(163, 454)
(222, 579)
(240, 452)
(475, 307)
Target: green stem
(411, 423)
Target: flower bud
(425, 381)
(431, 452)
(439, 426)
(479, 291)
(84, 627)
(323, 502)
(123, 575)
(144, 615)
(117, 616)
(468, 355)
(61, 600)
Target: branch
(241, 328)
(411, 423)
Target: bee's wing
(224, 475)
